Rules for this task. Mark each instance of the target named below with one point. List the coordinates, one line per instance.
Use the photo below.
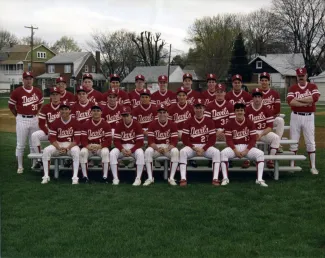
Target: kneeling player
(96, 137)
(241, 137)
(162, 141)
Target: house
(72, 66)
(319, 80)
(16, 59)
(281, 67)
(151, 74)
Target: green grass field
(242, 220)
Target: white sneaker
(45, 180)
(137, 182)
(172, 182)
(75, 181)
(261, 183)
(225, 181)
(314, 171)
(148, 182)
(131, 164)
(20, 170)
(115, 181)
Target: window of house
(41, 55)
(67, 69)
(71, 82)
(259, 65)
(51, 69)
(93, 69)
(86, 68)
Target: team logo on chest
(162, 135)
(92, 135)
(240, 134)
(196, 132)
(180, 118)
(127, 136)
(27, 101)
(220, 114)
(113, 118)
(51, 117)
(145, 119)
(82, 115)
(257, 118)
(303, 95)
(65, 133)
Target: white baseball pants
(279, 126)
(85, 154)
(272, 139)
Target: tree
(7, 39)
(304, 24)
(36, 41)
(239, 62)
(150, 48)
(180, 60)
(66, 44)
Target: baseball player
(47, 115)
(271, 99)
(263, 119)
(112, 110)
(81, 109)
(199, 137)
(241, 137)
(162, 141)
(64, 136)
(96, 138)
(134, 95)
(123, 97)
(24, 103)
(209, 94)
(192, 95)
(163, 96)
(302, 98)
(66, 96)
(128, 140)
(93, 95)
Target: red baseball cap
(187, 75)
(145, 92)
(139, 77)
(162, 107)
(81, 88)
(112, 92)
(198, 102)
(87, 76)
(27, 74)
(65, 104)
(211, 76)
(220, 86)
(61, 79)
(54, 90)
(301, 71)
(237, 77)
(181, 89)
(114, 77)
(265, 75)
(126, 110)
(162, 78)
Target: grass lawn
(242, 220)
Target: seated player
(209, 94)
(162, 141)
(96, 138)
(199, 137)
(66, 96)
(241, 138)
(81, 109)
(128, 142)
(163, 95)
(134, 95)
(64, 136)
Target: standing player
(134, 95)
(302, 98)
(209, 94)
(241, 139)
(24, 103)
(123, 97)
(128, 140)
(163, 96)
(81, 109)
(192, 95)
(66, 96)
(93, 95)
(263, 119)
(64, 138)
(96, 138)
(162, 141)
(199, 137)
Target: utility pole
(170, 50)
(31, 45)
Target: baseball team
(115, 124)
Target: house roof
(318, 78)
(8, 61)
(285, 64)
(151, 73)
(48, 76)
(16, 48)
(97, 76)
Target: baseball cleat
(261, 183)
(225, 181)
(75, 181)
(216, 182)
(45, 180)
(37, 165)
(85, 180)
(20, 170)
(172, 182)
(183, 182)
(314, 171)
(148, 182)
(115, 181)
(104, 180)
(137, 182)
(246, 164)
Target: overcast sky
(79, 19)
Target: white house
(319, 80)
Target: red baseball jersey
(68, 97)
(241, 97)
(81, 112)
(69, 131)
(208, 96)
(112, 114)
(180, 114)
(96, 132)
(220, 112)
(26, 101)
(243, 132)
(134, 97)
(162, 133)
(192, 95)
(271, 99)
(128, 134)
(93, 96)
(166, 98)
(47, 115)
(262, 117)
(199, 132)
(145, 114)
(298, 92)
(122, 98)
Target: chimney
(97, 61)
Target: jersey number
(224, 121)
(204, 138)
(69, 139)
(34, 106)
(261, 126)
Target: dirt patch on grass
(322, 113)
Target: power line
(31, 45)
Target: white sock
(182, 168)
(114, 171)
(260, 168)
(149, 170)
(224, 169)
(105, 169)
(75, 168)
(139, 171)
(216, 168)
(273, 151)
(173, 169)
(20, 161)
(84, 169)
(312, 158)
(46, 168)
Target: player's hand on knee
(62, 151)
(200, 152)
(244, 153)
(237, 153)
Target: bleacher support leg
(276, 170)
(166, 169)
(56, 168)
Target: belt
(28, 116)
(302, 114)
